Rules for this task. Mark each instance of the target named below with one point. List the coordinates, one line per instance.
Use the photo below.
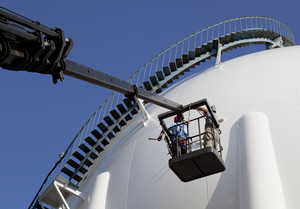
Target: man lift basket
(198, 160)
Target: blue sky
(38, 120)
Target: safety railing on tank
(189, 43)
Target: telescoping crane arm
(27, 45)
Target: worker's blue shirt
(177, 130)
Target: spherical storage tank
(257, 95)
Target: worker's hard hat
(178, 118)
(175, 119)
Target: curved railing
(253, 28)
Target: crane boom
(28, 45)
(90, 75)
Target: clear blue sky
(38, 120)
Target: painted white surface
(265, 82)
(259, 185)
(99, 192)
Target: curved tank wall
(257, 95)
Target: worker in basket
(178, 133)
(212, 134)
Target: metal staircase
(155, 76)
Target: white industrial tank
(257, 95)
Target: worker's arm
(160, 135)
(202, 109)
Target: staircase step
(122, 123)
(90, 141)
(128, 102)
(193, 66)
(247, 34)
(215, 44)
(166, 71)
(147, 85)
(164, 86)
(99, 149)
(105, 142)
(93, 155)
(230, 37)
(259, 33)
(224, 40)
(204, 49)
(172, 66)
(191, 55)
(76, 166)
(187, 70)
(110, 135)
(80, 158)
(134, 111)
(84, 148)
(153, 80)
(170, 81)
(128, 117)
(102, 127)
(209, 46)
(237, 36)
(198, 52)
(175, 77)
(179, 63)
(96, 133)
(185, 58)
(158, 91)
(225, 50)
(115, 114)
(70, 173)
(116, 129)
(160, 75)
(108, 120)
(88, 162)
(121, 108)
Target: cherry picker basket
(200, 154)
